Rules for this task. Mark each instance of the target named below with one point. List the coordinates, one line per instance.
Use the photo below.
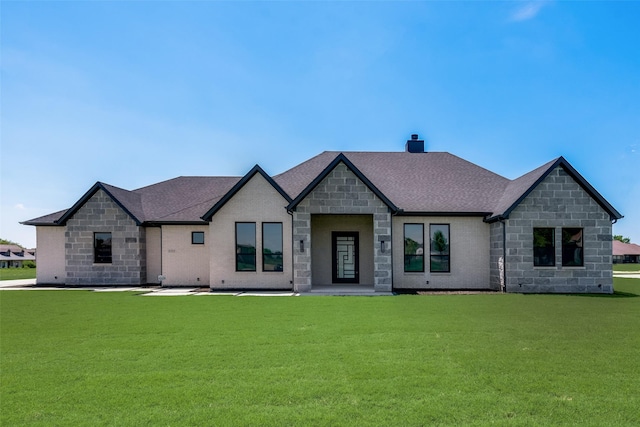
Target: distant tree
(9, 242)
(621, 239)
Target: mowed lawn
(86, 358)
(17, 273)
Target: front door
(345, 257)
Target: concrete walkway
(627, 275)
(334, 290)
(30, 285)
(17, 283)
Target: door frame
(334, 260)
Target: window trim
(281, 247)
(193, 234)
(255, 259)
(553, 246)
(404, 245)
(97, 260)
(448, 270)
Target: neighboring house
(383, 220)
(12, 256)
(625, 252)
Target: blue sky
(132, 93)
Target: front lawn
(86, 358)
(17, 273)
(626, 267)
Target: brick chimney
(414, 145)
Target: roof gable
(128, 201)
(520, 188)
(341, 158)
(239, 185)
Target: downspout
(504, 255)
(161, 256)
(292, 247)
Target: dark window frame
(409, 258)
(540, 251)
(197, 233)
(572, 249)
(265, 255)
(244, 257)
(441, 256)
(103, 254)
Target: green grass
(17, 273)
(83, 358)
(626, 267)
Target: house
(625, 252)
(12, 256)
(386, 221)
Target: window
(439, 248)
(413, 247)
(245, 246)
(197, 237)
(572, 250)
(272, 246)
(102, 248)
(544, 248)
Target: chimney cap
(414, 136)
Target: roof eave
(441, 213)
(161, 223)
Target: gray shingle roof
(185, 198)
(414, 182)
(421, 183)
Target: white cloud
(528, 11)
(20, 206)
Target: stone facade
(557, 202)
(101, 214)
(341, 192)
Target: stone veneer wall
(101, 214)
(341, 192)
(558, 201)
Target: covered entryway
(337, 206)
(342, 250)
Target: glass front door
(345, 257)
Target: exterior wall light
(382, 246)
(301, 245)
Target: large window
(102, 248)
(439, 248)
(572, 249)
(245, 246)
(544, 248)
(272, 246)
(413, 247)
